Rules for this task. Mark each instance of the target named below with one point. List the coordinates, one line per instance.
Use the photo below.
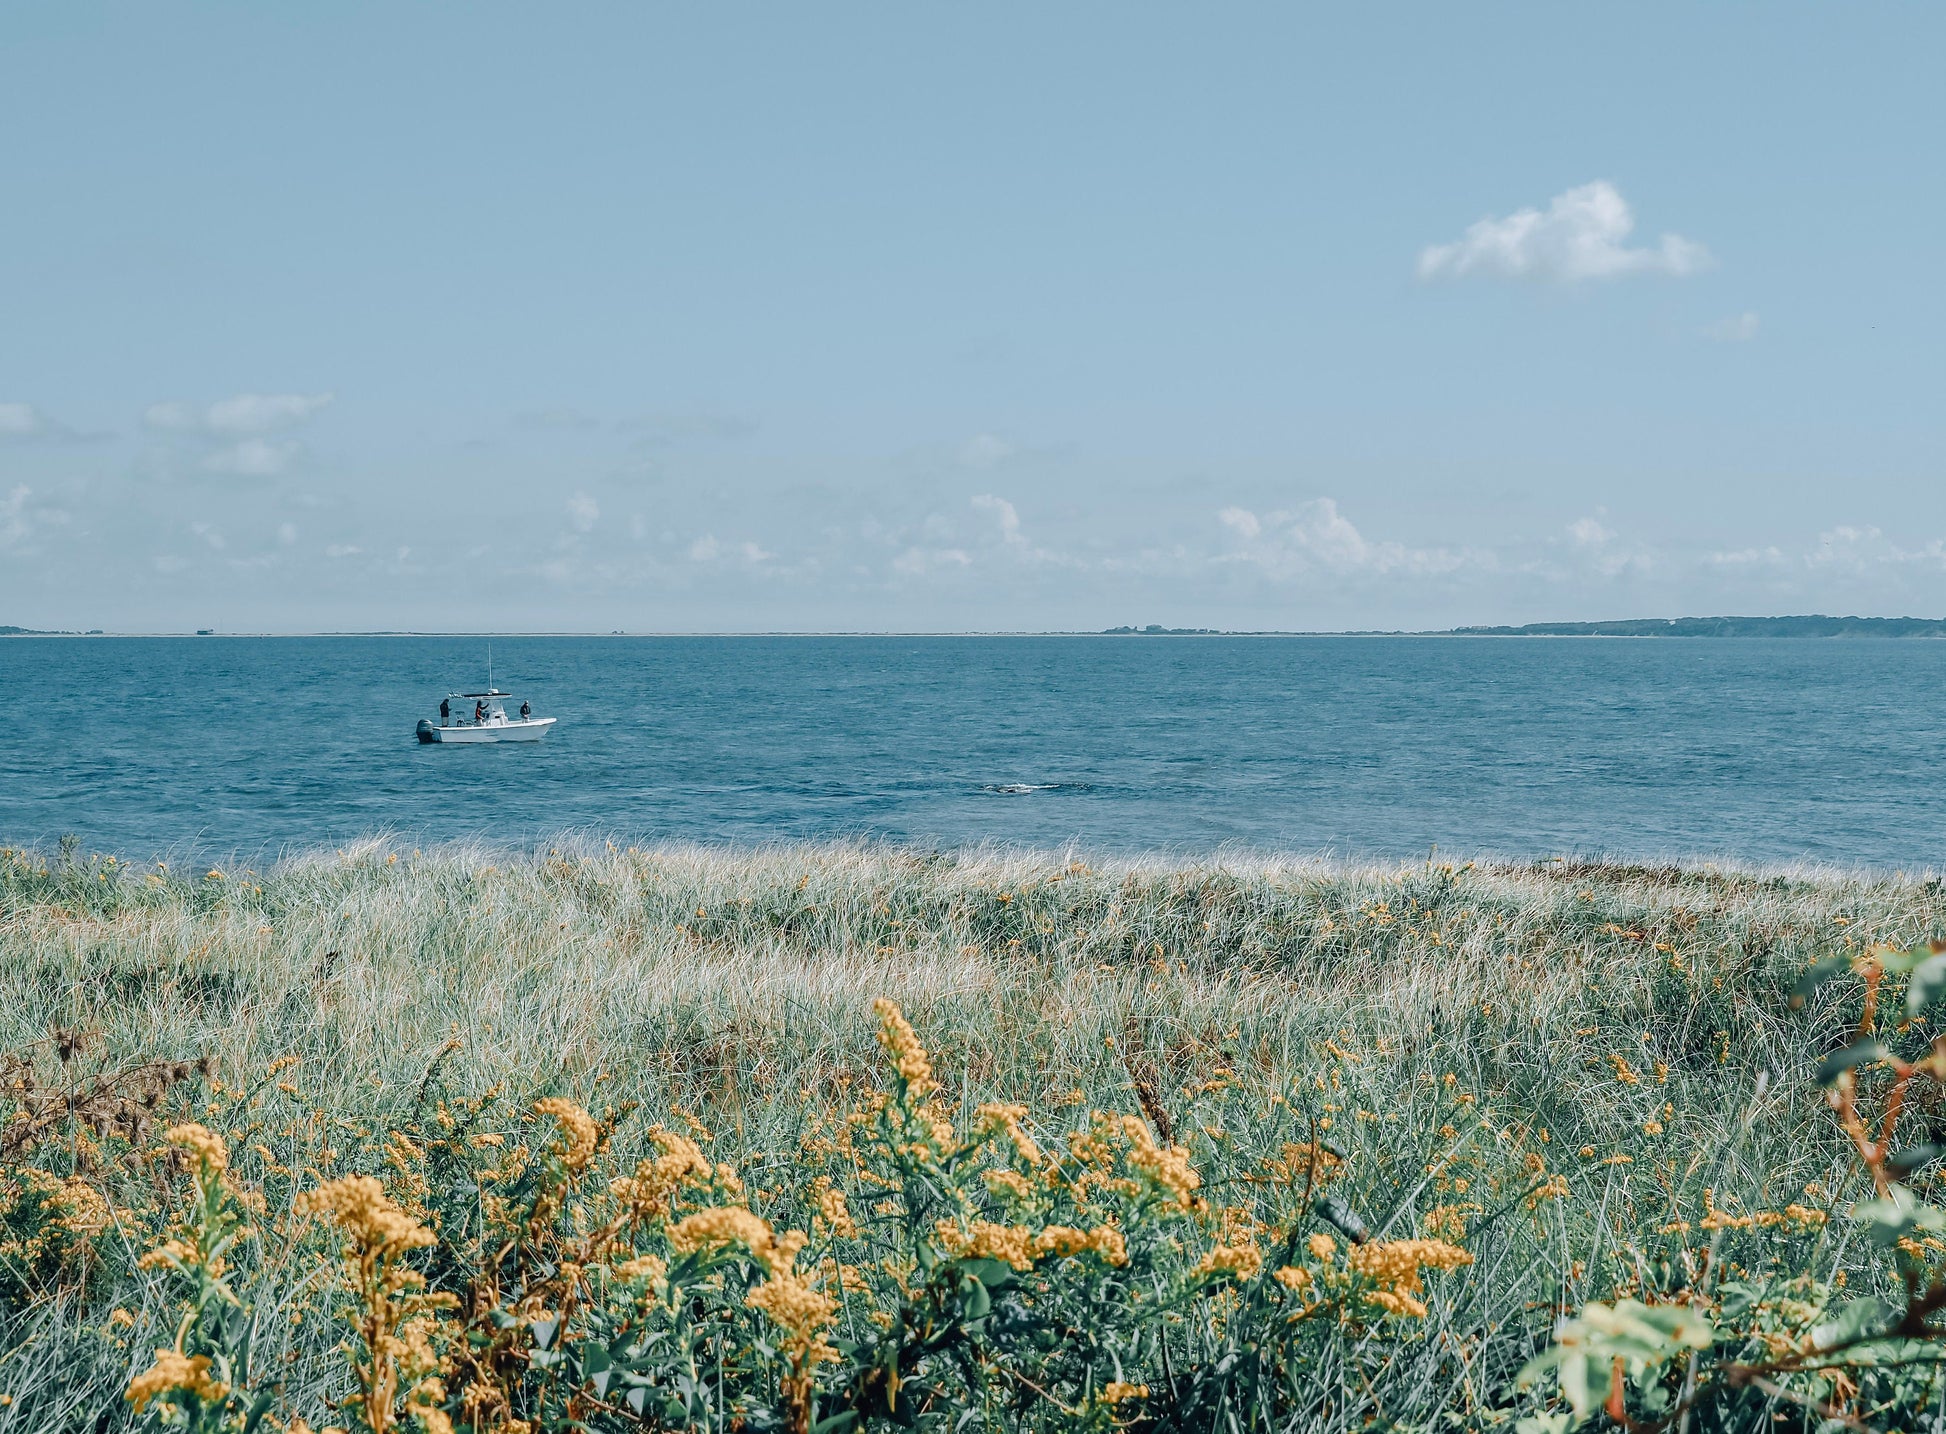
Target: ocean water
(1750, 750)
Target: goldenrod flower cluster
(1167, 1169)
(1393, 1267)
(832, 1211)
(175, 1371)
(987, 1240)
(583, 1136)
(900, 1042)
(202, 1142)
(996, 1119)
(378, 1227)
(680, 1165)
(1064, 1241)
(719, 1226)
(1239, 1262)
(1022, 1248)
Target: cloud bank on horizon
(691, 334)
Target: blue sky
(998, 317)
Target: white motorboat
(482, 717)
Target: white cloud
(287, 533)
(1582, 235)
(1597, 548)
(21, 518)
(1858, 549)
(583, 512)
(1242, 521)
(985, 451)
(254, 458)
(915, 562)
(1014, 540)
(21, 420)
(1739, 329)
(1005, 512)
(209, 534)
(1589, 532)
(707, 549)
(1316, 538)
(244, 413)
(342, 550)
(14, 525)
(1745, 558)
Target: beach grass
(1561, 1069)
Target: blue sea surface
(1756, 750)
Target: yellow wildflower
(360, 1207)
(985, 1240)
(681, 1163)
(173, 1370)
(576, 1124)
(1292, 1277)
(1006, 1120)
(1394, 1267)
(733, 1225)
(899, 1041)
(802, 1312)
(832, 1209)
(202, 1142)
(1064, 1241)
(642, 1267)
(1009, 1184)
(1240, 1261)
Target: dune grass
(1549, 1064)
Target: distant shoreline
(1809, 626)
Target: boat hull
(531, 730)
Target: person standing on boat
(526, 710)
(479, 713)
(445, 711)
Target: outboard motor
(426, 731)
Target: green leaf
(1898, 963)
(989, 1272)
(1543, 1424)
(974, 1300)
(1891, 1218)
(1858, 1053)
(544, 1332)
(1928, 982)
(1643, 1337)
(1854, 1322)
(1823, 971)
(1906, 1161)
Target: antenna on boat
(489, 667)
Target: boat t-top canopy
(496, 692)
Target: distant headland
(1814, 625)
